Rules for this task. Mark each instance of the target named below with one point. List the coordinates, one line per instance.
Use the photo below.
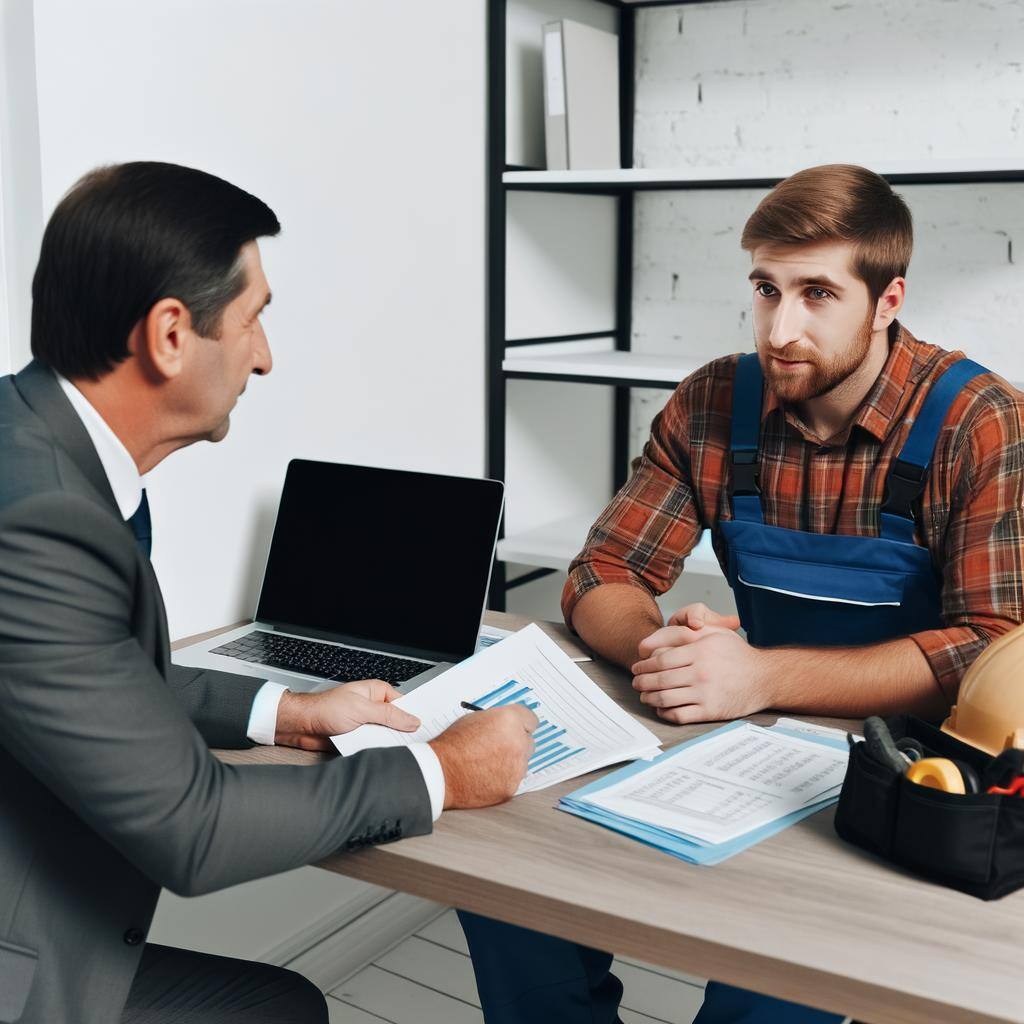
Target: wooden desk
(802, 915)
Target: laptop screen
(382, 558)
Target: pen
(470, 707)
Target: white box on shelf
(581, 96)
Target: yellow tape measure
(937, 773)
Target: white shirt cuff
(263, 728)
(433, 775)
(263, 716)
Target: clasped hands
(697, 668)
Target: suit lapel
(38, 386)
(162, 648)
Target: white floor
(428, 979)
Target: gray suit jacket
(108, 790)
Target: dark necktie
(142, 527)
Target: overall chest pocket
(786, 601)
(811, 581)
(828, 589)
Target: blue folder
(674, 843)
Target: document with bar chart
(580, 728)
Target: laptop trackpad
(434, 670)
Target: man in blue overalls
(865, 493)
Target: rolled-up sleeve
(983, 565)
(651, 525)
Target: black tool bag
(974, 843)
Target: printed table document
(717, 794)
(729, 784)
(580, 728)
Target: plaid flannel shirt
(971, 516)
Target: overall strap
(909, 473)
(744, 493)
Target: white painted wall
(362, 125)
(795, 83)
(20, 202)
(5, 319)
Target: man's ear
(890, 302)
(160, 338)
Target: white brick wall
(792, 83)
(797, 81)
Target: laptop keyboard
(327, 661)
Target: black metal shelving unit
(496, 228)
(623, 189)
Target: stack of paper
(711, 797)
(580, 727)
(489, 636)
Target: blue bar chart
(579, 727)
(550, 746)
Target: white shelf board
(635, 176)
(641, 367)
(656, 176)
(555, 545)
(635, 366)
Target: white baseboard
(364, 899)
(334, 948)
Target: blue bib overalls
(818, 590)
(791, 587)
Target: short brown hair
(126, 236)
(839, 203)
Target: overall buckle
(743, 478)
(904, 485)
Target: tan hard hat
(989, 712)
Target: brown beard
(823, 376)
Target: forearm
(219, 703)
(614, 618)
(853, 682)
(263, 819)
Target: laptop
(371, 574)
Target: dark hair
(126, 236)
(842, 203)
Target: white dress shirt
(126, 483)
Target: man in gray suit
(145, 329)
